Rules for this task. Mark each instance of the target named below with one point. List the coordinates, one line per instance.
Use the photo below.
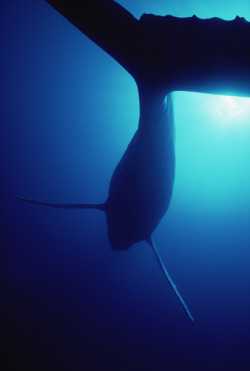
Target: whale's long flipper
(64, 206)
(108, 25)
(175, 54)
(169, 279)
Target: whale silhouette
(141, 186)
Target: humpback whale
(141, 186)
(142, 183)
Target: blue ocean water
(68, 112)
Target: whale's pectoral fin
(108, 25)
(169, 279)
(63, 206)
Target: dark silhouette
(141, 186)
(184, 54)
(163, 54)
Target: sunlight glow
(232, 110)
(212, 152)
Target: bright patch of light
(231, 110)
(212, 152)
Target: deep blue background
(68, 302)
